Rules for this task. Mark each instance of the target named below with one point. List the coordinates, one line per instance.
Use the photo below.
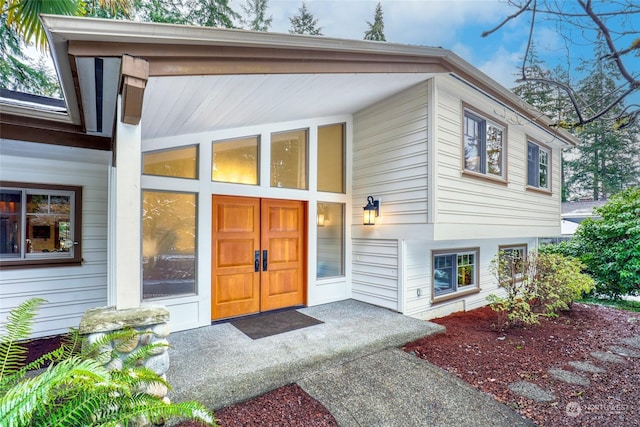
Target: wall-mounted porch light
(371, 211)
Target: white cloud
(451, 24)
(502, 67)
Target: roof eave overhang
(45, 130)
(173, 50)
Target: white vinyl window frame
(454, 273)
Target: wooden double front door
(258, 255)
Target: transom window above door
(236, 160)
(289, 159)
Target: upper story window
(455, 273)
(538, 163)
(39, 225)
(176, 162)
(484, 146)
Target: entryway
(258, 255)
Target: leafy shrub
(610, 245)
(558, 281)
(540, 285)
(75, 389)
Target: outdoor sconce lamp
(371, 211)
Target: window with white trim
(39, 225)
(484, 146)
(455, 272)
(538, 162)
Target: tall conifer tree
(304, 22)
(376, 30)
(606, 162)
(255, 15)
(211, 13)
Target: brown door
(257, 259)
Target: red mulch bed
(472, 350)
(285, 406)
(476, 353)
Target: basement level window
(455, 273)
(39, 225)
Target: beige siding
(375, 272)
(390, 157)
(68, 290)
(419, 281)
(467, 205)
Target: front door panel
(282, 285)
(258, 255)
(235, 287)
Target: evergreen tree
(255, 11)
(211, 13)
(548, 99)
(165, 11)
(376, 30)
(304, 23)
(606, 162)
(17, 71)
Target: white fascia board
(96, 29)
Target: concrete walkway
(350, 363)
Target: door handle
(265, 263)
(256, 261)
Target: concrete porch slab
(218, 365)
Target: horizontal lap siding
(468, 205)
(419, 275)
(68, 290)
(390, 157)
(375, 272)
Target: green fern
(75, 389)
(19, 324)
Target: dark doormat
(267, 324)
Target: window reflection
(178, 163)
(330, 224)
(236, 161)
(289, 159)
(169, 244)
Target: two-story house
(224, 172)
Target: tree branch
(507, 19)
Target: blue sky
(452, 24)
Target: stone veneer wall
(152, 324)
